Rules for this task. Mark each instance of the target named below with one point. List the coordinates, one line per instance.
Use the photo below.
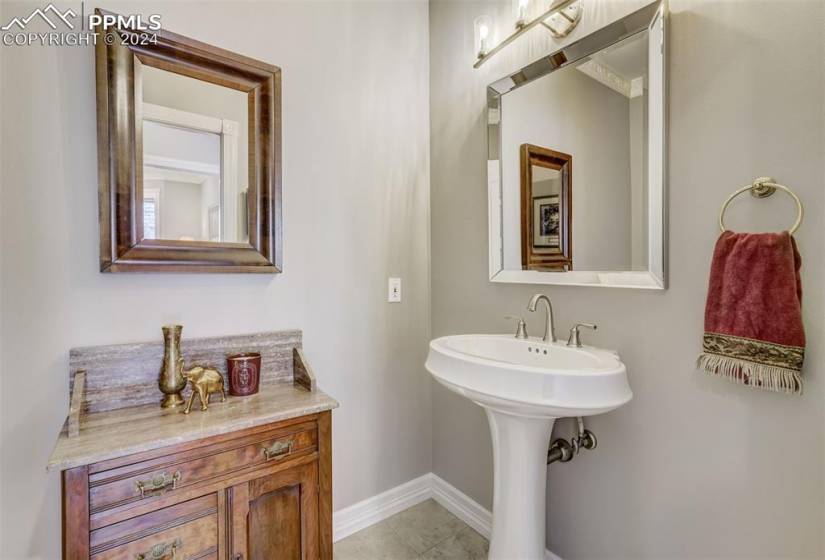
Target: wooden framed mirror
(189, 156)
(546, 209)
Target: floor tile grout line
(461, 530)
(445, 539)
(421, 554)
(442, 541)
(401, 538)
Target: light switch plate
(394, 290)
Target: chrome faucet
(550, 327)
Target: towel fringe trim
(761, 376)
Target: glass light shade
(483, 34)
(520, 12)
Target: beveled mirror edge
(121, 249)
(655, 278)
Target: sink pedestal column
(520, 479)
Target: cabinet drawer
(184, 531)
(140, 482)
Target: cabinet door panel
(281, 515)
(275, 525)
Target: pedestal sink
(523, 386)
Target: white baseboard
(462, 506)
(368, 512)
(373, 510)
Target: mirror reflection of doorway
(178, 191)
(194, 136)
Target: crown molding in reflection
(615, 81)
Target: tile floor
(426, 531)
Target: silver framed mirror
(601, 102)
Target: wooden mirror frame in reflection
(534, 257)
(120, 154)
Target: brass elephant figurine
(204, 382)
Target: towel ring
(763, 187)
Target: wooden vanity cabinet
(262, 493)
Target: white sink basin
(530, 377)
(524, 385)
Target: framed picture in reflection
(546, 220)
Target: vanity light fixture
(560, 19)
(483, 28)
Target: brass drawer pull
(158, 483)
(278, 449)
(162, 550)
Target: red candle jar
(244, 372)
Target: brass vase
(171, 380)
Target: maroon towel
(753, 316)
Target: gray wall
(182, 210)
(693, 467)
(355, 212)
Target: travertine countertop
(115, 433)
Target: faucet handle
(521, 330)
(574, 339)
